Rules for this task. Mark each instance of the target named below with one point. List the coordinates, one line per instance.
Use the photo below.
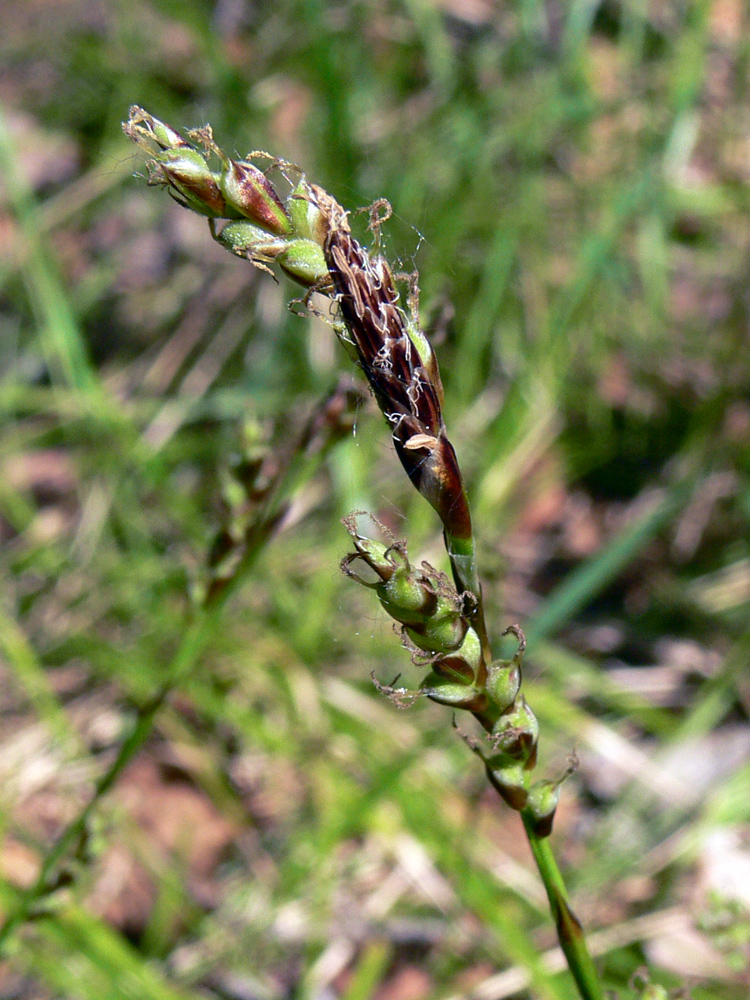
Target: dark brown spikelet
(409, 398)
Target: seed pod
(515, 733)
(542, 803)
(503, 683)
(510, 781)
(308, 220)
(303, 261)
(248, 240)
(250, 193)
(443, 632)
(187, 174)
(466, 660)
(406, 598)
(454, 694)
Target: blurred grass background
(571, 179)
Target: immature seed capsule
(510, 781)
(248, 240)
(248, 190)
(454, 694)
(307, 219)
(464, 663)
(304, 262)
(542, 803)
(187, 173)
(503, 683)
(443, 632)
(405, 597)
(515, 734)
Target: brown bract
(406, 393)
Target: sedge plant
(305, 232)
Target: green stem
(462, 555)
(569, 930)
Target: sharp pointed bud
(307, 218)
(248, 190)
(186, 172)
(515, 734)
(304, 262)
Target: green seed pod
(515, 733)
(303, 261)
(503, 683)
(452, 693)
(307, 219)
(542, 803)
(248, 240)
(249, 192)
(187, 173)
(464, 663)
(405, 597)
(443, 632)
(510, 781)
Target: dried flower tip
(401, 697)
(143, 128)
(417, 441)
(380, 558)
(177, 165)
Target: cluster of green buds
(436, 628)
(257, 224)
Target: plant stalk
(569, 930)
